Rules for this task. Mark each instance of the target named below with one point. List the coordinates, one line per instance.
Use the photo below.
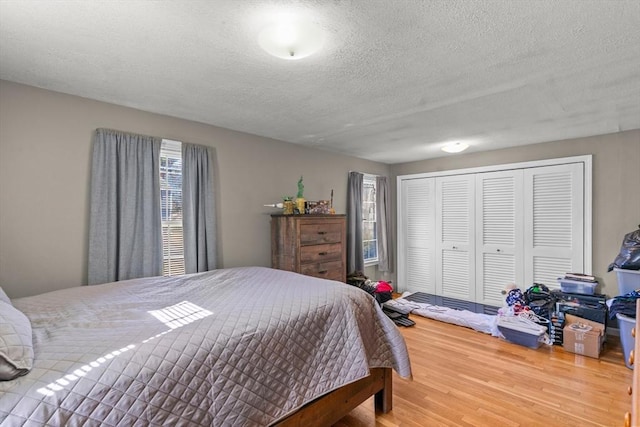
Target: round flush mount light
(455, 147)
(291, 40)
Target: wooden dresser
(314, 245)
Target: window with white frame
(369, 217)
(171, 207)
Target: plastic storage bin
(628, 280)
(626, 324)
(577, 286)
(519, 331)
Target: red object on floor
(383, 287)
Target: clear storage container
(577, 286)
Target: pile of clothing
(537, 298)
(382, 291)
(624, 304)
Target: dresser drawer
(320, 253)
(326, 270)
(314, 245)
(314, 234)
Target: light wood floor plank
(470, 379)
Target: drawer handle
(323, 271)
(629, 390)
(322, 253)
(322, 233)
(631, 357)
(627, 420)
(633, 332)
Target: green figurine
(300, 189)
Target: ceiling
(395, 80)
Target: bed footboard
(328, 409)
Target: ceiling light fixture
(291, 40)
(455, 147)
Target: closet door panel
(554, 222)
(499, 234)
(466, 235)
(419, 231)
(455, 259)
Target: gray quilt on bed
(232, 347)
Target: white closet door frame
(499, 234)
(455, 237)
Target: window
(369, 216)
(171, 207)
(169, 230)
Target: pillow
(16, 343)
(4, 297)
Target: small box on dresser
(314, 245)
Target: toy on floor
(515, 301)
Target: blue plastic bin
(520, 332)
(628, 280)
(626, 324)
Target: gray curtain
(125, 239)
(198, 208)
(383, 209)
(355, 257)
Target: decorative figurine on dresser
(314, 245)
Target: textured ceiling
(395, 81)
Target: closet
(463, 235)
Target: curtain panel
(125, 239)
(383, 209)
(355, 256)
(198, 208)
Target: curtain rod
(367, 173)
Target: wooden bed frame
(328, 409)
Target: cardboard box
(581, 341)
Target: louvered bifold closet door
(455, 236)
(499, 228)
(418, 199)
(554, 222)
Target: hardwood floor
(467, 378)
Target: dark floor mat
(419, 297)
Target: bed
(243, 346)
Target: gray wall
(616, 185)
(45, 147)
(45, 150)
